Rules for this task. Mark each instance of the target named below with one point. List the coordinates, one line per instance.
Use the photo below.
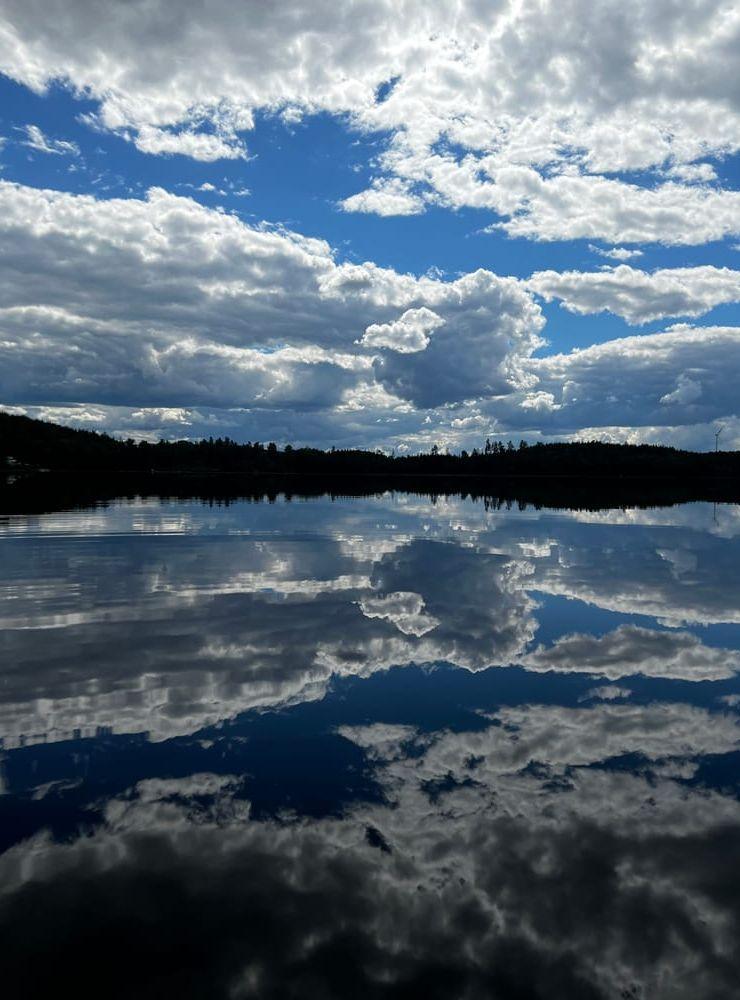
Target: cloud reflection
(147, 632)
(239, 796)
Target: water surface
(375, 747)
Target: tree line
(26, 443)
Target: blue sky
(526, 233)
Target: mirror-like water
(377, 747)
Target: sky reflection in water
(375, 747)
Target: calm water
(370, 748)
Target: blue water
(370, 747)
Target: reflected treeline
(48, 491)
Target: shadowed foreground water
(380, 747)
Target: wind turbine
(716, 449)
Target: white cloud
(166, 303)
(197, 145)
(616, 253)
(389, 196)
(465, 358)
(694, 437)
(408, 334)
(529, 110)
(700, 172)
(570, 207)
(687, 390)
(640, 296)
(35, 139)
(683, 376)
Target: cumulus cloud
(166, 303)
(683, 376)
(389, 196)
(687, 391)
(703, 172)
(616, 253)
(527, 110)
(640, 296)
(570, 207)
(464, 358)
(408, 334)
(203, 146)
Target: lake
(381, 746)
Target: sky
(379, 223)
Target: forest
(34, 445)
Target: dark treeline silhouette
(36, 444)
(84, 468)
